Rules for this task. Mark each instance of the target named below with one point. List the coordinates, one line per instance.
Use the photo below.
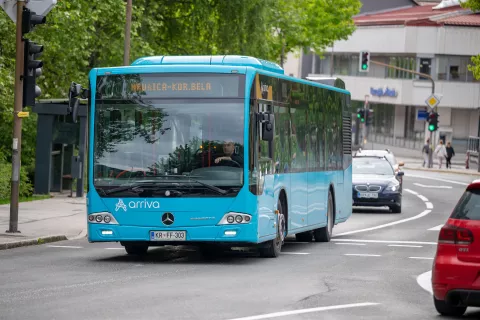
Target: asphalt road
(368, 271)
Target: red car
(456, 267)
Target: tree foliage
(80, 35)
(474, 5)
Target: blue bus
(215, 151)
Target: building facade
(437, 39)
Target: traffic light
(364, 62)
(361, 115)
(432, 121)
(30, 20)
(369, 120)
(32, 70)
(32, 67)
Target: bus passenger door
(266, 176)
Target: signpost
(422, 115)
(33, 11)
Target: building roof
(470, 20)
(423, 15)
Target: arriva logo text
(137, 204)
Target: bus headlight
(102, 218)
(235, 218)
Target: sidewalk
(416, 164)
(55, 219)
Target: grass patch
(26, 199)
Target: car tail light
(454, 235)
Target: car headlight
(393, 186)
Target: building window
(454, 68)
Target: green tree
(474, 5)
(314, 24)
(80, 35)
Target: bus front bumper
(244, 233)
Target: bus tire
(274, 247)
(136, 249)
(325, 234)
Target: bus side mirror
(73, 102)
(267, 123)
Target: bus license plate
(367, 195)
(168, 235)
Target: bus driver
(230, 158)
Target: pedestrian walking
(450, 154)
(426, 152)
(441, 153)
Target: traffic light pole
(17, 123)
(432, 143)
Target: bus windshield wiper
(208, 186)
(138, 186)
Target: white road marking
(353, 244)
(422, 197)
(310, 310)
(404, 245)
(436, 187)
(429, 205)
(437, 179)
(295, 253)
(70, 247)
(386, 241)
(425, 281)
(437, 228)
(411, 191)
(113, 248)
(362, 255)
(418, 216)
(421, 258)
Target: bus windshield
(204, 140)
(150, 133)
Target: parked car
(456, 266)
(375, 183)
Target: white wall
(292, 64)
(410, 92)
(450, 40)
(378, 39)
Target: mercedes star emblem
(167, 218)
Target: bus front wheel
(274, 247)
(136, 249)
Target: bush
(26, 188)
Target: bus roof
(224, 60)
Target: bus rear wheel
(136, 249)
(274, 247)
(325, 234)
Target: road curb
(474, 173)
(81, 235)
(32, 242)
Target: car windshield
(378, 153)
(365, 165)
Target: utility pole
(17, 123)
(128, 26)
(282, 55)
(365, 110)
(430, 154)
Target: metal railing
(473, 144)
